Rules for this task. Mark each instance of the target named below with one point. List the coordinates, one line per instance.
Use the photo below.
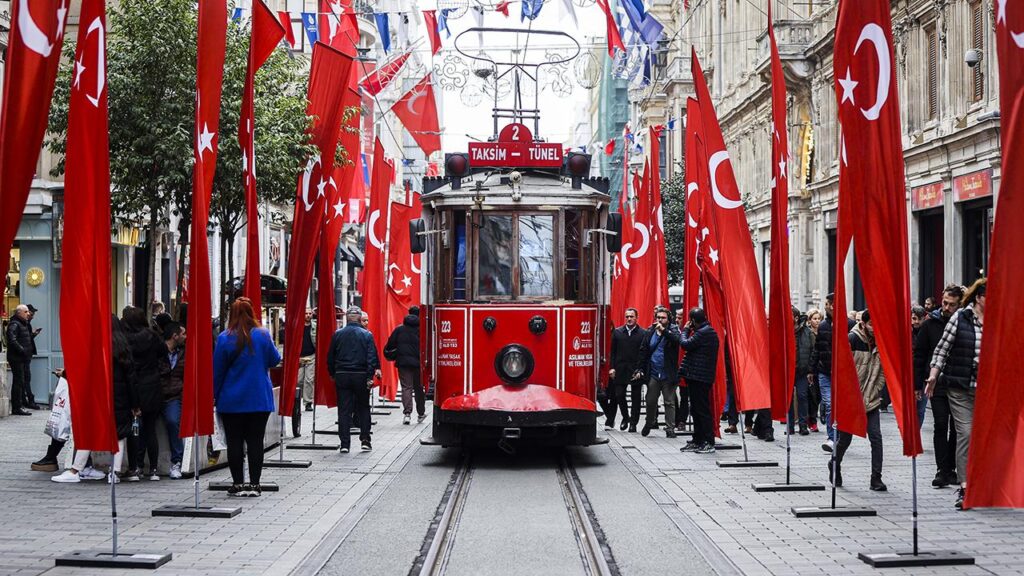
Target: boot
(803, 430)
(876, 483)
(769, 436)
(838, 479)
(731, 429)
(940, 480)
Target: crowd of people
(946, 347)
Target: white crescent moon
(716, 159)
(646, 241)
(411, 101)
(690, 189)
(1018, 38)
(371, 230)
(101, 60)
(307, 177)
(873, 33)
(412, 265)
(390, 268)
(624, 260)
(31, 35)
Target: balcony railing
(792, 36)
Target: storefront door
(930, 253)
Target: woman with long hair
(242, 392)
(956, 360)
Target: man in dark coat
(659, 354)
(352, 359)
(403, 348)
(804, 345)
(30, 398)
(625, 362)
(19, 357)
(821, 365)
(699, 368)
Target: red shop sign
(973, 185)
(927, 196)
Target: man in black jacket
(821, 365)
(19, 356)
(699, 370)
(659, 353)
(403, 348)
(353, 361)
(804, 345)
(944, 435)
(30, 398)
(625, 362)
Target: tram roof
(499, 189)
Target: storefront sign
(927, 196)
(973, 185)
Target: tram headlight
(514, 364)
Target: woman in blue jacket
(243, 393)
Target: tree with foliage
(151, 82)
(673, 202)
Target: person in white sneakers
(81, 470)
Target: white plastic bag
(217, 438)
(58, 425)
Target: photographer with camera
(659, 352)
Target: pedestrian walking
(58, 425)
(403, 348)
(659, 353)
(307, 360)
(943, 429)
(871, 379)
(243, 394)
(821, 364)
(30, 397)
(814, 319)
(956, 360)
(148, 352)
(625, 371)
(172, 382)
(917, 316)
(804, 338)
(19, 358)
(700, 341)
(354, 362)
(682, 397)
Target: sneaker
(624, 426)
(132, 476)
(769, 436)
(255, 490)
(803, 430)
(690, 446)
(670, 432)
(91, 473)
(113, 478)
(706, 449)
(68, 476)
(406, 419)
(175, 473)
(748, 429)
(421, 418)
(237, 490)
(45, 465)
(960, 493)
(343, 450)
(813, 428)
(153, 475)
(646, 430)
(827, 446)
(940, 480)
(952, 479)
(877, 485)
(309, 407)
(365, 446)
(731, 429)
(632, 428)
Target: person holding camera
(699, 368)
(353, 360)
(625, 371)
(659, 352)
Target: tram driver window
(571, 278)
(536, 256)
(459, 280)
(494, 256)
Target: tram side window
(571, 279)
(494, 256)
(536, 256)
(459, 279)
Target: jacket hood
(862, 333)
(412, 321)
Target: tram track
(439, 543)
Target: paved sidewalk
(758, 533)
(273, 534)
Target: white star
(704, 233)
(1001, 16)
(79, 68)
(782, 167)
(61, 13)
(848, 85)
(320, 187)
(339, 209)
(245, 162)
(206, 139)
(406, 280)
(713, 254)
(773, 183)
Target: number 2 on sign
(515, 132)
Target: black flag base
(746, 463)
(189, 511)
(791, 487)
(910, 560)
(728, 447)
(312, 446)
(223, 486)
(107, 559)
(830, 512)
(287, 463)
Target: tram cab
(516, 237)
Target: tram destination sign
(515, 148)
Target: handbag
(58, 425)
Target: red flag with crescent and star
(338, 25)
(995, 463)
(197, 394)
(869, 114)
(418, 112)
(372, 286)
(266, 35)
(329, 76)
(620, 269)
(781, 337)
(691, 272)
(30, 73)
(375, 82)
(641, 259)
(85, 320)
(402, 278)
(657, 219)
(745, 322)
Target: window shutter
(977, 42)
(933, 73)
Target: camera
(972, 57)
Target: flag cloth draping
(417, 110)
(611, 29)
(30, 73)
(372, 286)
(781, 337)
(286, 24)
(402, 283)
(329, 76)
(995, 463)
(381, 77)
(197, 394)
(747, 327)
(869, 114)
(620, 271)
(657, 219)
(691, 270)
(430, 20)
(85, 320)
(641, 291)
(265, 36)
(337, 25)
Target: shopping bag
(58, 425)
(217, 438)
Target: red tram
(517, 237)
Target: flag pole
(113, 509)
(195, 470)
(789, 436)
(913, 491)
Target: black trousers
(813, 403)
(353, 406)
(700, 409)
(410, 380)
(146, 442)
(683, 406)
(29, 398)
(615, 401)
(874, 436)
(19, 381)
(762, 422)
(636, 400)
(944, 437)
(244, 433)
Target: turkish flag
(338, 26)
(641, 259)
(374, 260)
(620, 268)
(611, 29)
(609, 148)
(197, 395)
(869, 115)
(30, 72)
(694, 203)
(329, 75)
(381, 77)
(995, 469)
(403, 286)
(85, 320)
(286, 24)
(781, 337)
(418, 112)
(746, 327)
(430, 20)
(658, 223)
(267, 33)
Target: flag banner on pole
(781, 335)
(384, 30)
(329, 76)
(309, 25)
(694, 201)
(197, 394)
(620, 268)
(286, 24)
(30, 73)
(869, 114)
(382, 76)
(430, 19)
(657, 218)
(611, 29)
(995, 463)
(85, 318)
(642, 292)
(745, 323)
(531, 9)
(267, 33)
(403, 286)
(375, 257)
(338, 26)
(418, 112)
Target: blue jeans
(172, 420)
(800, 417)
(825, 384)
(922, 406)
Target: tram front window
(495, 256)
(536, 256)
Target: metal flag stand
(281, 462)
(788, 486)
(196, 511)
(746, 462)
